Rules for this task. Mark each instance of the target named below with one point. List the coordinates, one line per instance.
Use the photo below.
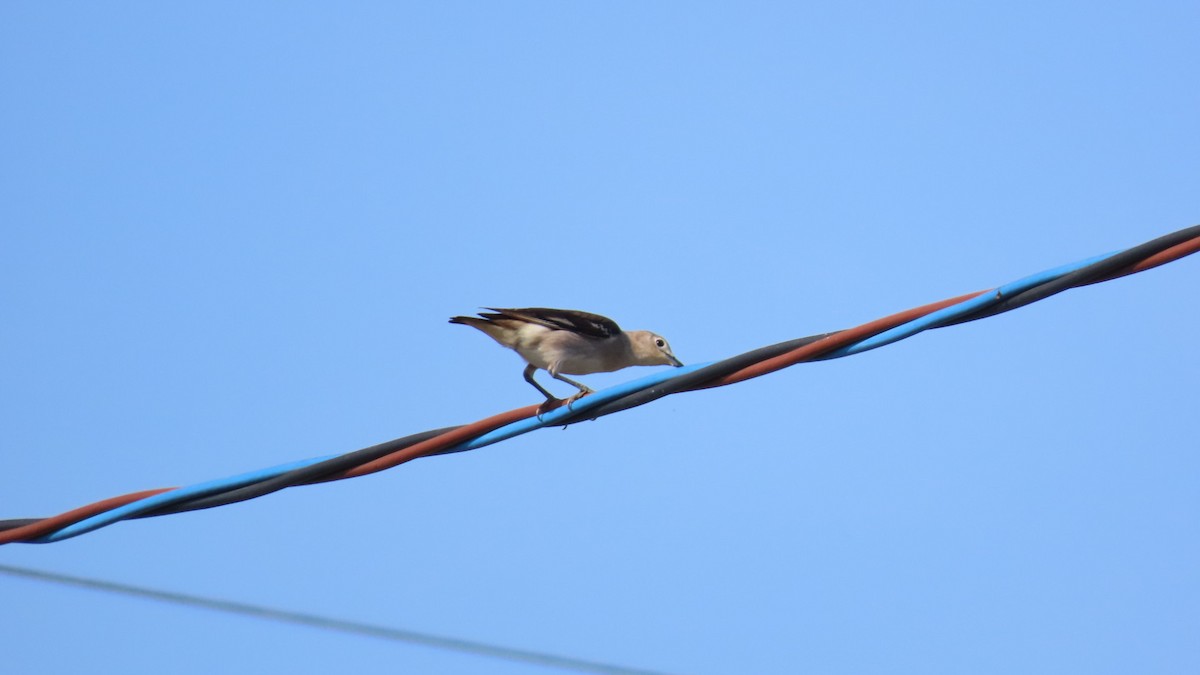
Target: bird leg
(529, 371)
(583, 388)
(551, 401)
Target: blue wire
(206, 488)
(233, 482)
(166, 498)
(553, 417)
(948, 314)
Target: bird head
(652, 350)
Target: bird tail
(493, 330)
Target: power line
(442, 642)
(503, 426)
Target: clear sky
(232, 234)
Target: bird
(569, 342)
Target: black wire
(1097, 271)
(695, 378)
(329, 467)
(13, 523)
(336, 465)
(302, 476)
(1083, 276)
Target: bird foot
(548, 405)
(578, 396)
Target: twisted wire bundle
(884, 331)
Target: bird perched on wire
(568, 341)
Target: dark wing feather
(584, 323)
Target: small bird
(568, 341)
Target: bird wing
(583, 323)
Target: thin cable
(328, 623)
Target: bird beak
(676, 362)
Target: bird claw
(547, 406)
(551, 404)
(578, 396)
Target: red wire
(1161, 258)
(474, 429)
(415, 451)
(469, 431)
(48, 525)
(433, 445)
(835, 341)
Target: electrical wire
(755, 363)
(329, 623)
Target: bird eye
(660, 342)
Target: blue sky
(233, 233)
